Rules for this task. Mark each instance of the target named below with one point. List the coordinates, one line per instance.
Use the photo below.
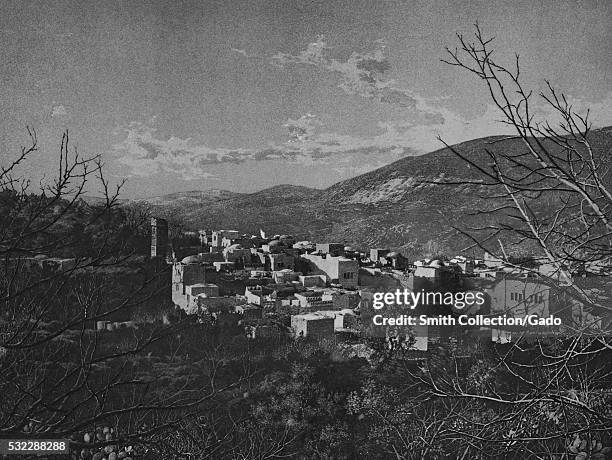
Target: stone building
(520, 296)
(377, 253)
(334, 249)
(338, 270)
(217, 237)
(159, 237)
(312, 325)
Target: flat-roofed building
(334, 249)
(285, 276)
(312, 280)
(377, 253)
(312, 325)
(520, 296)
(218, 236)
(339, 270)
(248, 311)
(281, 261)
(342, 318)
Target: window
(348, 275)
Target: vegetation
(169, 386)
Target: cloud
(302, 129)
(59, 111)
(145, 153)
(361, 74)
(243, 52)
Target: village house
(337, 269)
(333, 249)
(343, 319)
(377, 253)
(248, 311)
(280, 261)
(224, 266)
(285, 276)
(520, 296)
(205, 237)
(313, 300)
(312, 325)
(304, 246)
(237, 253)
(189, 300)
(218, 236)
(312, 280)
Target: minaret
(159, 237)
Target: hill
(401, 205)
(192, 197)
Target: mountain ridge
(398, 205)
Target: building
(395, 260)
(224, 266)
(312, 280)
(193, 291)
(312, 325)
(207, 289)
(217, 237)
(255, 295)
(159, 237)
(259, 274)
(236, 253)
(377, 253)
(334, 249)
(185, 296)
(313, 300)
(343, 319)
(186, 272)
(205, 237)
(285, 276)
(520, 296)
(304, 246)
(341, 299)
(281, 261)
(338, 270)
(433, 270)
(466, 265)
(248, 311)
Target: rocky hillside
(402, 205)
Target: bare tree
(67, 270)
(555, 194)
(533, 398)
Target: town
(276, 285)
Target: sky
(244, 95)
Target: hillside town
(277, 285)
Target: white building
(338, 269)
(312, 325)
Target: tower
(159, 237)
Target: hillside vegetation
(403, 205)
